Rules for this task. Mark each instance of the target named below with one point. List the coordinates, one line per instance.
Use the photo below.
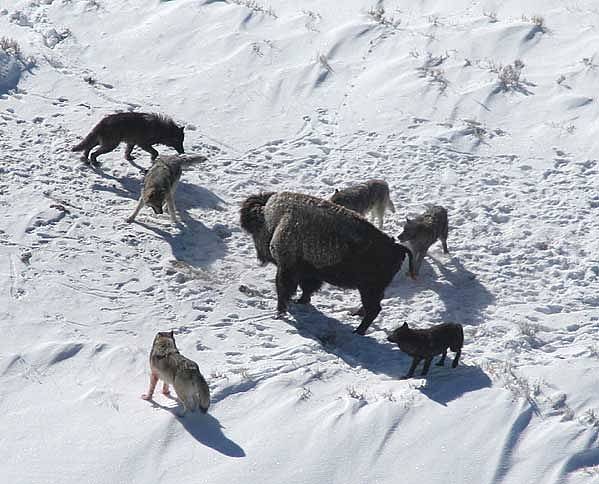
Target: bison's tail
(252, 212)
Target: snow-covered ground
(307, 96)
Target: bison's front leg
(286, 287)
(371, 302)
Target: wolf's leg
(444, 244)
(456, 358)
(85, 155)
(441, 362)
(128, 151)
(427, 365)
(415, 361)
(380, 213)
(104, 148)
(286, 287)
(153, 382)
(443, 238)
(309, 286)
(170, 203)
(371, 301)
(418, 262)
(151, 150)
(165, 389)
(140, 205)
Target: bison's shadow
(464, 297)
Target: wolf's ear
(405, 325)
(407, 219)
(181, 128)
(336, 190)
(171, 333)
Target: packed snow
(487, 108)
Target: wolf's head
(165, 340)
(411, 230)
(399, 333)
(176, 140)
(155, 200)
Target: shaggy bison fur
(312, 241)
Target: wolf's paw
(129, 220)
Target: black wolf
(312, 241)
(426, 343)
(141, 129)
(424, 230)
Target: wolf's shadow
(464, 297)
(194, 244)
(207, 430)
(446, 384)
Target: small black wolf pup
(142, 129)
(423, 231)
(426, 343)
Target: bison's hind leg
(441, 362)
(458, 353)
(309, 286)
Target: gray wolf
(170, 366)
(312, 241)
(141, 129)
(423, 231)
(371, 196)
(159, 187)
(426, 343)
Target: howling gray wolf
(423, 231)
(170, 366)
(371, 196)
(426, 343)
(312, 241)
(159, 187)
(141, 129)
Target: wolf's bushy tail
(252, 212)
(88, 142)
